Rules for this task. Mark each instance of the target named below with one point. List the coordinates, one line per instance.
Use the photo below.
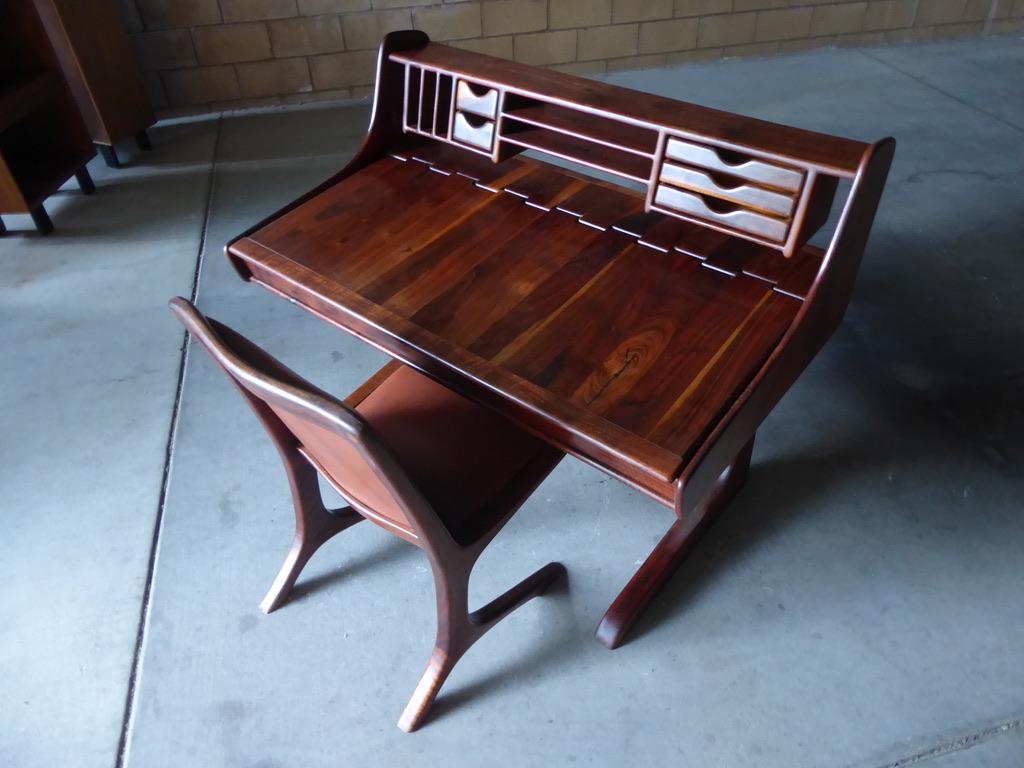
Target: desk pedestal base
(669, 553)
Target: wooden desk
(646, 336)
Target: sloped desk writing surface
(537, 284)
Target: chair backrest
(335, 439)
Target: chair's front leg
(457, 629)
(314, 525)
(669, 554)
(454, 637)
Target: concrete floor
(860, 604)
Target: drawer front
(758, 171)
(481, 137)
(672, 199)
(481, 101)
(754, 197)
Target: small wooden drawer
(671, 199)
(476, 99)
(776, 203)
(480, 135)
(724, 161)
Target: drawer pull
(468, 100)
(762, 199)
(741, 219)
(751, 170)
(481, 136)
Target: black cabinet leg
(109, 155)
(85, 181)
(43, 224)
(142, 141)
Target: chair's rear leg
(308, 539)
(669, 554)
(314, 525)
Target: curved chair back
(332, 437)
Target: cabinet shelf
(598, 156)
(601, 130)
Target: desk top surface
(628, 334)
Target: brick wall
(203, 55)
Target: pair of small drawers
(476, 109)
(743, 193)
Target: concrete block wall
(205, 55)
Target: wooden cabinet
(100, 67)
(43, 141)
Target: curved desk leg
(669, 553)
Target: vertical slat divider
(419, 111)
(656, 161)
(405, 100)
(451, 108)
(499, 124)
(797, 222)
(437, 95)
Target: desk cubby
(774, 198)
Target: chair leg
(439, 667)
(458, 630)
(314, 525)
(308, 539)
(2, 227)
(669, 554)
(534, 585)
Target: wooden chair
(407, 454)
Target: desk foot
(109, 155)
(669, 554)
(85, 182)
(42, 221)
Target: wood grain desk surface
(620, 335)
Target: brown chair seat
(460, 455)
